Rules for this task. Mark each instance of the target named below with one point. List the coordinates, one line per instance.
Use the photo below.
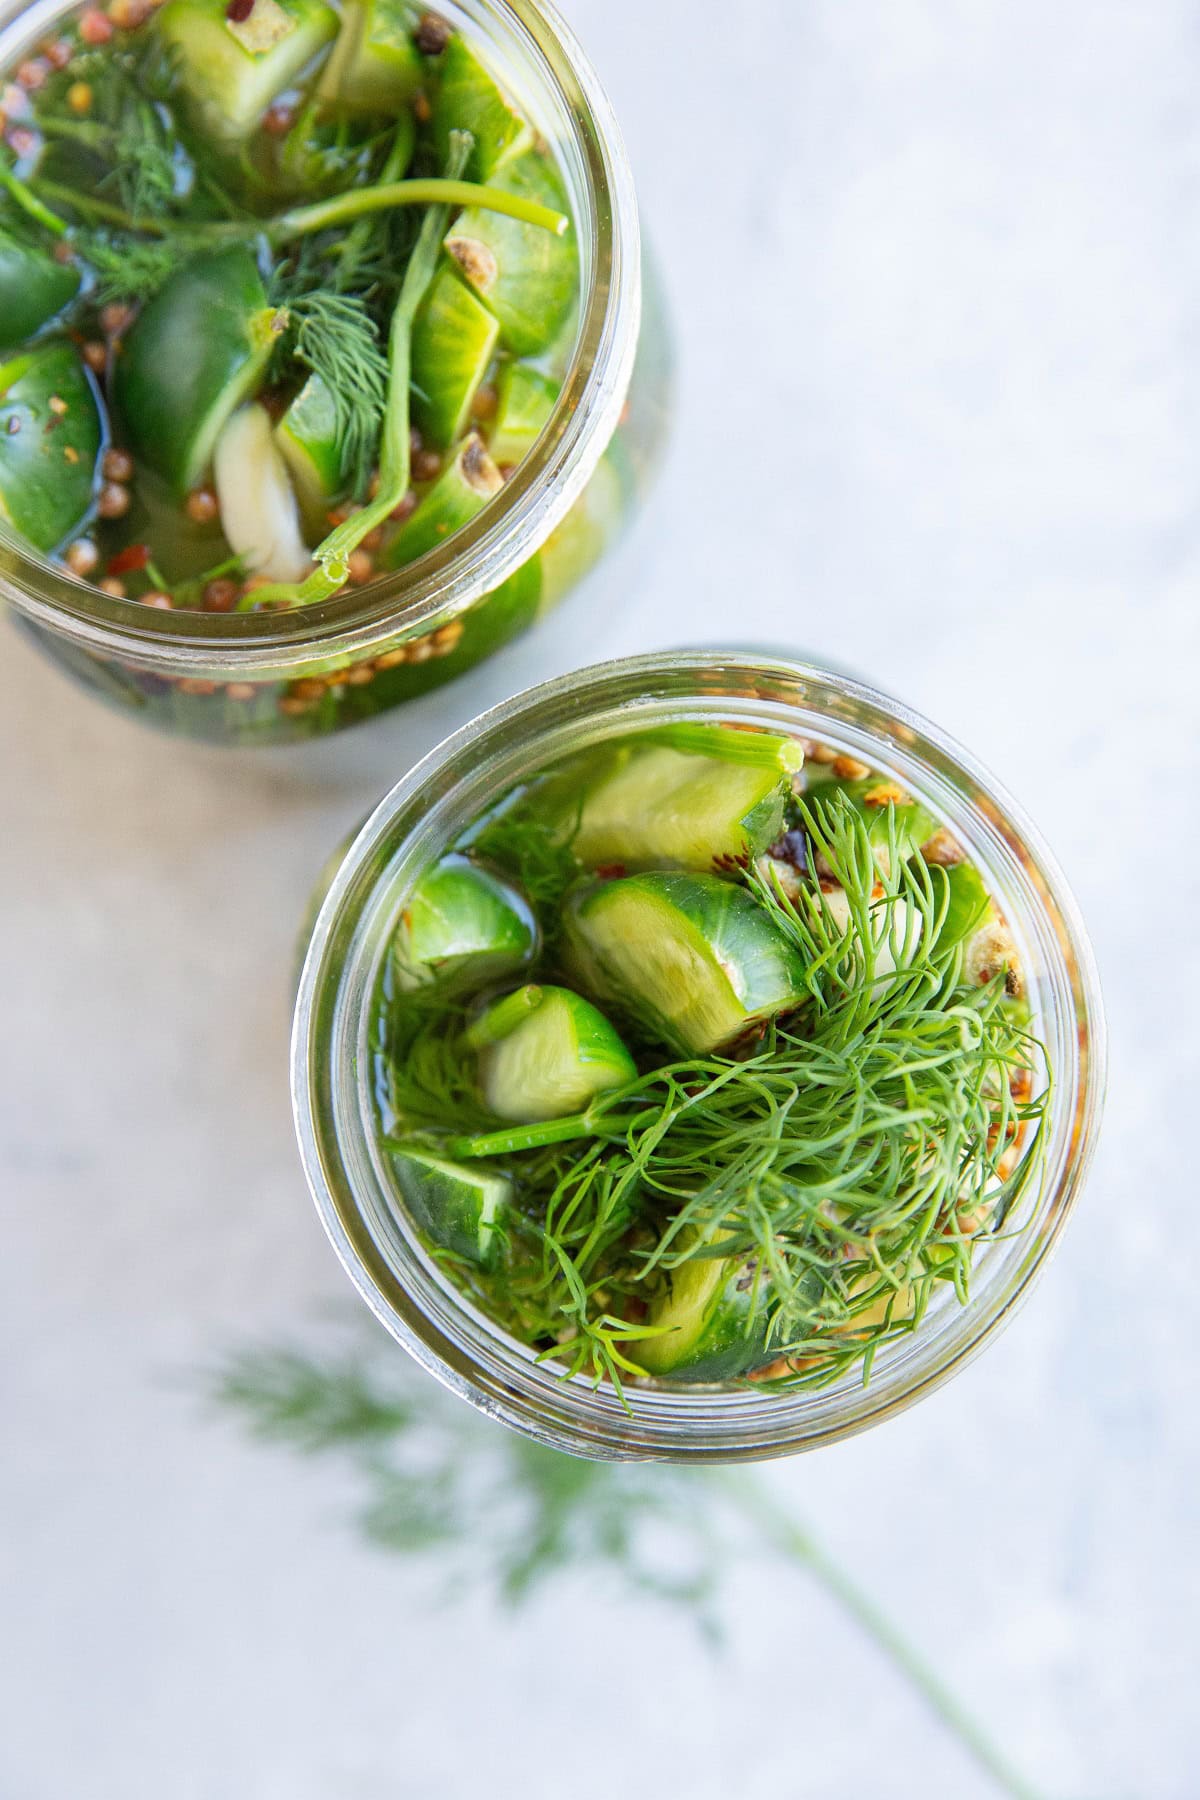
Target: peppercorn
(81, 557)
(111, 585)
(112, 502)
(360, 567)
(94, 28)
(117, 465)
(115, 318)
(201, 506)
(278, 119)
(404, 509)
(220, 594)
(432, 34)
(241, 690)
(58, 52)
(164, 602)
(484, 404)
(33, 74)
(79, 97)
(95, 356)
(426, 465)
(22, 142)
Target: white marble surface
(936, 267)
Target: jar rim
(334, 1118)
(535, 498)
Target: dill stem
(783, 1531)
(523, 1137)
(758, 749)
(28, 201)
(436, 191)
(501, 1020)
(332, 556)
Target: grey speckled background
(935, 269)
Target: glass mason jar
(273, 678)
(331, 1064)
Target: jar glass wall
(275, 677)
(331, 1066)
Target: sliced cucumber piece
(544, 1053)
(460, 1206)
(453, 342)
(33, 287)
(50, 436)
(576, 546)
(374, 66)
(528, 277)
(231, 69)
(711, 1320)
(463, 926)
(197, 351)
(459, 493)
(469, 100)
(259, 515)
(307, 438)
(967, 902)
(657, 806)
(524, 402)
(693, 958)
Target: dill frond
(333, 336)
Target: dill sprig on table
(855, 1149)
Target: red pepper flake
(134, 556)
(238, 11)
(611, 871)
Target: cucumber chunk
(528, 277)
(33, 287)
(693, 958)
(656, 806)
(453, 342)
(307, 438)
(50, 436)
(469, 100)
(524, 402)
(545, 1052)
(461, 926)
(197, 351)
(231, 70)
(714, 1318)
(374, 66)
(967, 902)
(461, 491)
(460, 1206)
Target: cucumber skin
(711, 919)
(451, 503)
(33, 287)
(454, 1205)
(46, 494)
(230, 86)
(525, 401)
(448, 317)
(580, 1030)
(496, 934)
(727, 1339)
(307, 439)
(527, 277)
(619, 821)
(374, 66)
(469, 100)
(195, 354)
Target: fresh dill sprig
(856, 1151)
(129, 126)
(479, 1508)
(334, 337)
(126, 268)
